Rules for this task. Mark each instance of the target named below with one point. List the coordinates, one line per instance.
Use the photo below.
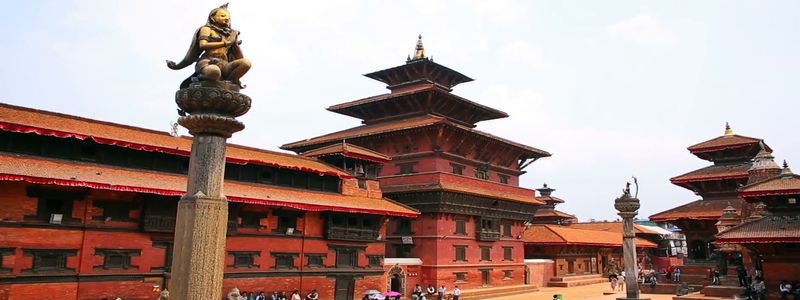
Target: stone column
(199, 251)
(628, 208)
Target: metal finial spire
(420, 50)
(728, 130)
(785, 165)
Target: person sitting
(653, 281)
(758, 291)
(677, 274)
(313, 295)
(431, 290)
(296, 295)
(786, 289)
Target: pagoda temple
(464, 181)
(732, 156)
(548, 214)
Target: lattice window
(461, 253)
(117, 259)
(508, 274)
(244, 259)
(49, 260)
(507, 253)
(461, 227)
(374, 261)
(285, 260)
(486, 253)
(316, 260)
(460, 276)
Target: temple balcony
(351, 234)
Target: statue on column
(215, 52)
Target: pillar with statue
(628, 207)
(209, 102)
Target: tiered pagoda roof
(787, 183)
(727, 147)
(714, 172)
(566, 235)
(348, 150)
(698, 210)
(548, 214)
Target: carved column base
(200, 247)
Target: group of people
(236, 295)
(431, 291)
(617, 281)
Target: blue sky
(611, 88)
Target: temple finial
(785, 165)
(728, 130)
(420, 50)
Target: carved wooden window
(406, 168)
(508, 253)
(244, 259)
(486, 253)
(503, 178)
(375, 261)
(460, 276)
(49, 260)
(508, 274)
(461, 252)
(251, 219)
(403, 226)
(316, 260)
(6, 252)
(482, 171)
(402, 251)
(159, 214)
(457, 169)
(461, 227)
(114, 210)
(117, 259)
(346, 258)
(285, 260)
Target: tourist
(677, 274)
(621, 281)
(742, 274)
(787, 289)
(431, 290)
(282, 296)
(417, 291)
(456, 293)
(758, 290)
(274, 295)
(261, 296)
(313, 295)
(715, 277)
(613, 280)
(669, 272)
(653, 281)
(296, 295)
(442, 291)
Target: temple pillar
(199, 251)
(628, 208)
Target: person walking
(442, 290)
(621, 281)
(741, 273)
(456, 293)
(613, 280)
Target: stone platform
(577, 280)
(492, 292)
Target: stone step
(576, 277)
(667, 288)
(722, 291)
(492, 292)
(579, 282)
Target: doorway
(345, 288)
(486, 278)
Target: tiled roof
(348, 150)
(405, 124)
(550, 199)
(778, 185)
(564, 235)
(44, 171)
(611, 226)
(454, 187)
(27, 120)
(768, 229)
(488, 112)
(549, 212)
(715, 172)
(700, 209)
(723, 142)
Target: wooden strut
(524, 164)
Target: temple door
(345, 288)
(571, 266)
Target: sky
(611, 88)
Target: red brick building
(87, 211)
(464, 181)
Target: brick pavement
(594, 291)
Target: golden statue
(215, 51)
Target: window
(287, 223)
(245, 259)
(482, 171)
(114, 210)
(49, 260)
(402, 251)
(506, 229)
(486, 253)
(252, 219)
(406, 168)
(284, 260)
(503, 178)
(508, 253)
(346, 258)
(461, 227)
(403, 226)
(457, 169)
(362, 184)
(460, 276)
(508, 274)
(316, 260)
(375, 261)
(5, 252)
(117, 259)
(51, 206)
(461, 253)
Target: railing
(352, 234)
(159, 224)
(488, 236)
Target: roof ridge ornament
(728, 130)
(786, 172)
(419, 50)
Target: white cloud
(644, 29)
(523, 52)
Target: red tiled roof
(769, 229)
(28, 120)
(58, 172)
(778, 185)
(700, 210)
(715, 172)
(545, 212)
(724, 142)
(550, 199)
(454, 187)
(348, 150)
(611, 227)
(564, 235)
(405, 124)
